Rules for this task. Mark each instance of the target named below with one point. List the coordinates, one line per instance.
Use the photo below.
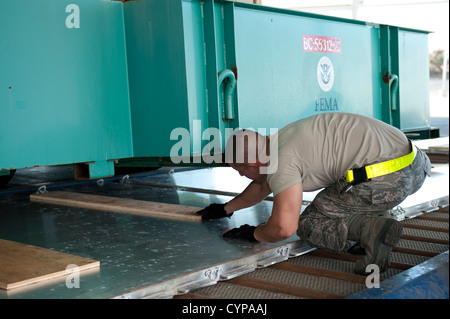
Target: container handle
(227, 73)
(393, 87)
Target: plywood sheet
(23, 265)
(433, 145)
(119, 205)
(441, 147)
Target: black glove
(243, 232)
(214, 211)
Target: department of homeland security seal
(325, 74)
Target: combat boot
(377, 235)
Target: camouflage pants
(324, 223)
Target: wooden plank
(400, 266)
(423, 227)
(119, 205)
(333, 274)
(328, 254)
(439, 147)
(433, 218)
(425, 239)
(23, 265)
(415, 252)
(282, 288)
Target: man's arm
(252, 195)
(283, 222)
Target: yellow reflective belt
(387, 167)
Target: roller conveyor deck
(323, 275)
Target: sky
(429, 15)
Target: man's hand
(244, 232)
(214, 211)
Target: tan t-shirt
(318, 150)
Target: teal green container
(63, 85)
(96, 82)
(287, 65)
